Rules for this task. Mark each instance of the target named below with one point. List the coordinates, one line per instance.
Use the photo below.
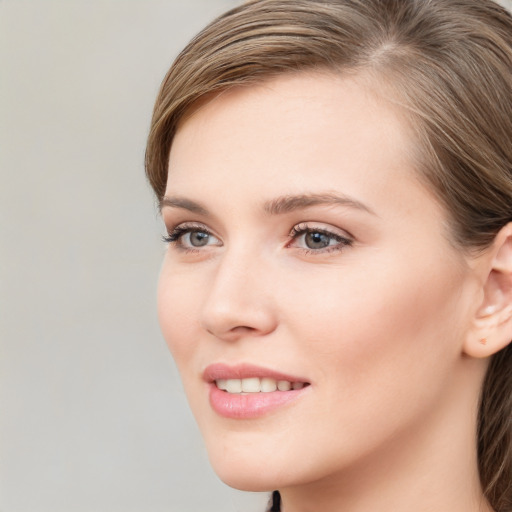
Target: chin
(243, 472)
(246, 482)
(246, 469)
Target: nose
(238, 301)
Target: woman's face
(306, 254)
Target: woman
(336, 180)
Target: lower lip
(250, 405)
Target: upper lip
(218, 371)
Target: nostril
(234, 333)
(243, 329)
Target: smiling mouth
(257, 385)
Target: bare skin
(304, 243)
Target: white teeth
(251, 385)
(222, 384)
(284, 385)
(268, 385)
(256, 385)
(234, 386)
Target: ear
(493, 319)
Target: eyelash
(175, 237)
(302, 229)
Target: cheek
(377, 335)
(380, 331)
(177, 314)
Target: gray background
(92, 415)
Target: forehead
(298, 135)
(290, 127)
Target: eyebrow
(184, 204)
(278, 206)
(287, 204)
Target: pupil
(317, 240)
(199, 238)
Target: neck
(432, 465)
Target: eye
(191, 237)
(318, 240)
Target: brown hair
(447, 63)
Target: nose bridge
(239, 296)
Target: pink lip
(252, 405)
(244, 371)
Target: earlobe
(492, 329)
